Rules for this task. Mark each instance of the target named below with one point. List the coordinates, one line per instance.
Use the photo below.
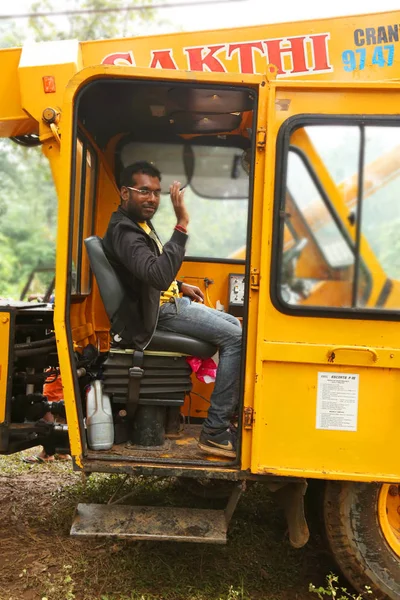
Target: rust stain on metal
(248, 417)
(216, 458)
(184, 441)
(331, 357)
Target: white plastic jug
(99, 419)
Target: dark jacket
(143, 272)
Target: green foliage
(90, 26)
(257, 563)
(334, 590)
(28, 201)
(28, 206)
(11, 34)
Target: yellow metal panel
(331, 354)
(302, 50)
(13, 120)
(60, 162)
(4, 358)
(195, 273)
(291, 350)
(82, 332)
(305, 49)
(290, 444)
(261, 201)
(60, 60)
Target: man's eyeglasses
(145, 193)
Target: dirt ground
(39, 560)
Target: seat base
(165, 381)
(168, 341)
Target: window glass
(88, 217)
(219, 172)
(218, 220)
(77, 216)
(169, 159)
(381, 198)
(305, 194)
(338, 148)
(217, 227)
(317, 259)
(346, 253)
(83, 216)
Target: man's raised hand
(177, 199)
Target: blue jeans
(222, 330)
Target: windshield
(216, 191)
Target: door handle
(332, 353)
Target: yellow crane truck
(287, 137)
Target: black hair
(142, 166)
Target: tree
(90, 26)
(28, 201)
(28, 208)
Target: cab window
(339, 196)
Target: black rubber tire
(357, 541)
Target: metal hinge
(261, 138)
(255, 279)
(248, 417)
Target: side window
(339, 197)
(301, 185)
(83, 218)
(381, 197)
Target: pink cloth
(205, 368)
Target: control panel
(236, 294)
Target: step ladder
(156, 523)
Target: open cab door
(207, 131)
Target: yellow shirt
(173, 290)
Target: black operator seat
(116, 301)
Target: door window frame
(283, 147)
(82, 203)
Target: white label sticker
(337, 401)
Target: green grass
(257, 563)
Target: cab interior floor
(181, 449)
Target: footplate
(150, 523)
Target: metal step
(150, 523)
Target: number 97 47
(382, 57)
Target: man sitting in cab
(148, 270)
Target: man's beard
(137, 215)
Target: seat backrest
(119, 309)
(111, 290)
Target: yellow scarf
(172, 291)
